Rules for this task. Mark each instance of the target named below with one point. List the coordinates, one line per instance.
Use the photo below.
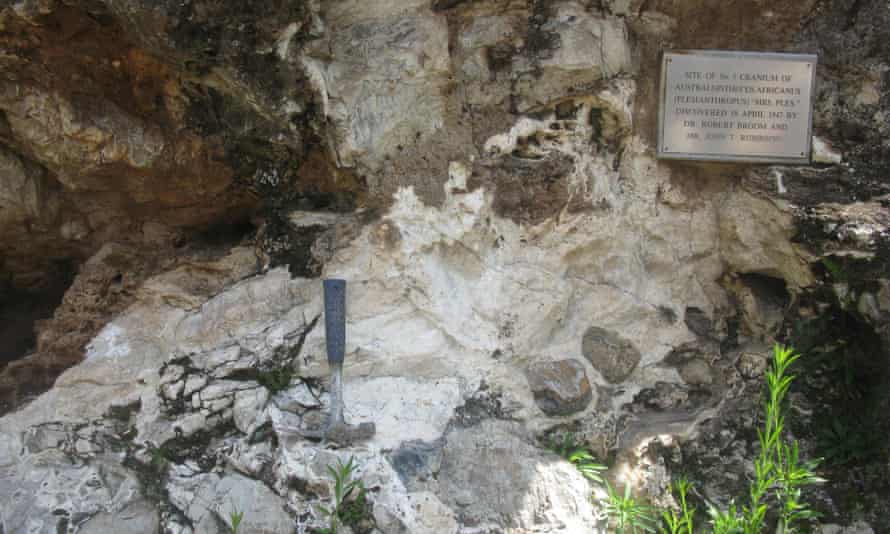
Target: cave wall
(481, 172)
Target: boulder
(559, 387)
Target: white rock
(172, 390)
(193, 384)
(136, 518)
(868, 307)
(383, 80)
(624, 7)
(172, 373)
(217, 499)
(191, 423)
(297, 399)
(218, 405)
(402, 409)
(248, 410)
(824, 153)
(489, 475)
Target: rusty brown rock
(559, 387)
(613, 356)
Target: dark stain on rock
(807, 187)
(386, 235)
(500, 57)
(417, 462)
(74, 51)
(525, 191)
(292, 247)
(485, 403)
(541, 43)
(698, 322)
(211, 33)
(825, 234)
(325, 186)
(445, 5)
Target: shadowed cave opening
(22, 308)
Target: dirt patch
(526, 191)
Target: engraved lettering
(728, 105)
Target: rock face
(518, 262)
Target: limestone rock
(210, 500)
(489, 475)
(762, 301)
(248, 409)
(364, 55)
(697, 321)
(624, 7)
(298, 399)
(662, 396)
(563, 62)
(560, 387)
(697, 373)
(824, 153)
(136, 518)
(417, 462)
(611, 355)
(753, 364)
(745, 244)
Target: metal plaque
(736, 106)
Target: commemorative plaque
(736, 106)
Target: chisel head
(335, 319)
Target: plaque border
(694, 156)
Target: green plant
(842, 443)
(793, 476)
(682, 522)
(837, 270)
(159, 457)
(235, 518)
(627, 514)
(728, 521)
(276, 379)
(580, 457)
(779, 472)
(585, 463)
(349, 503)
